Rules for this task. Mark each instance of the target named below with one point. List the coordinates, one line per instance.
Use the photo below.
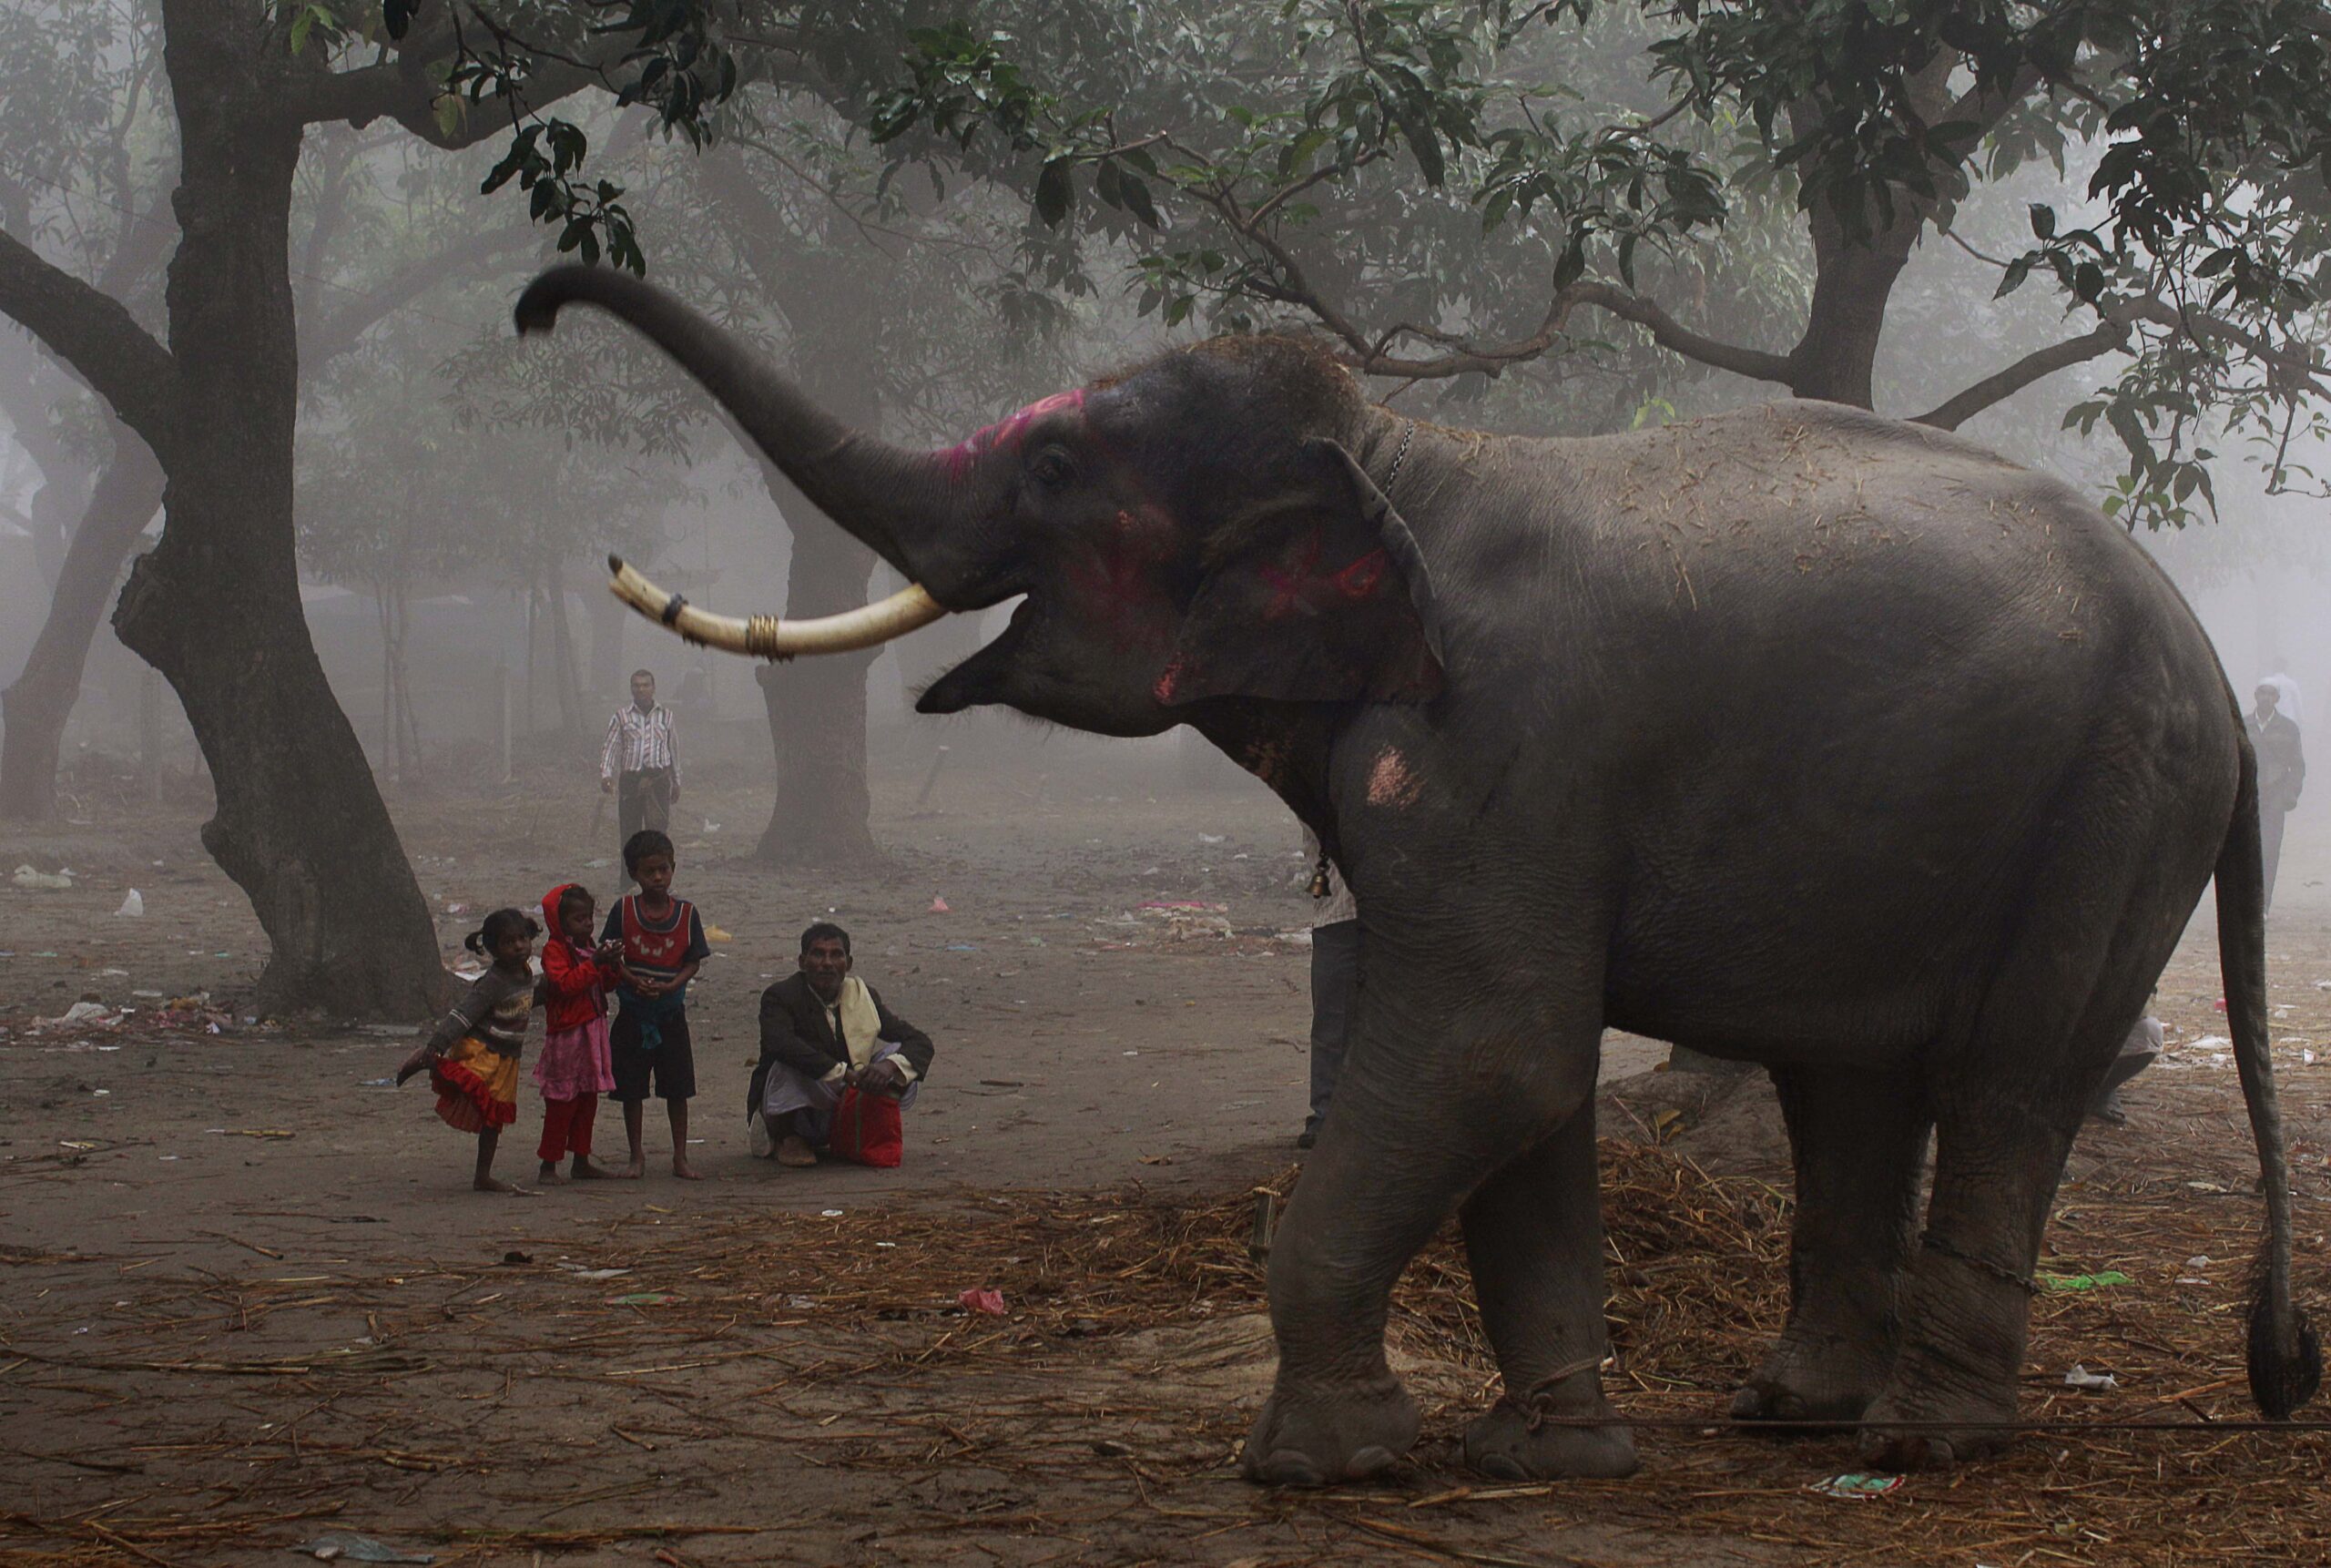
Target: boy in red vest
(663, 947)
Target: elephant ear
(1315, 595)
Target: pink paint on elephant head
(1391, 782)
(959, 458)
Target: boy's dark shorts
(671, 1066)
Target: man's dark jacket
(795, 1030)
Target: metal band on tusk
(766, 636)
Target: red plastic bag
(867, 1130)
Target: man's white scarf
(862, 1025)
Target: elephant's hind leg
(1859, 1140)
(1533, 1236)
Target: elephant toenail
(1367, 1461)
(1285, 1467)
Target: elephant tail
(2285, 1355)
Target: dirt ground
(247, 1298)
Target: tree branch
(2107, 335)
(1756, 364)
(336, 333)
(98, 337)
(402, 91)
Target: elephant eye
(1051, 468)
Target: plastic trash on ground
(1856, 1484)
(2080, 1378)
(345, 1546)
(134, 904)
(939, 906)
(50, 881)
(977, 1300)
(2064, 1283)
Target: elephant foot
(1320, 1439)
(1510, 1444)
(1935, 1434)
(1804, 1394)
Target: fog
(457, 489)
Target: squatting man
(824, 1030)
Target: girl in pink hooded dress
(575, 1068)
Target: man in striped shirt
(640, 763)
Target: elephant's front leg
(1446, 1079)
(1533, 1234)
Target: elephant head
(1196, 529)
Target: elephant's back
(1836, 680)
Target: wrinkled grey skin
(1793, 736)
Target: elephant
(1795, 736)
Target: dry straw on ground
(867, 1299)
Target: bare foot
(416, 1063)
(794, 1150)
(510, 1189)
(684, 1171)
(583, 1170)
(547, 1174)
(636, 1169)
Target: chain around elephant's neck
(1408, 433)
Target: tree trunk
(215, 607)
(36, 707)
(1853, 282)
(817, 707)
(572, 718)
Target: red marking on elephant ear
(1365, 575)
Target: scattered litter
(830, 1214)
(714, 934)
(125, 974)
(599, 865)
(457, 909)
(938, 905)
(341, 1545)
(976, 1300)
(581, 1273)
(710, 826)
(2062, 1283)
(377, 1083)
(1211, 838)
(2080, 1378)
(80, 1012)
(800, 1303)
(252, 1132)
(1855, 1484)
(644, 1298)
(2208, 1042)
(960, 947)
(133, 905)
(2198, 1261)
(50, 881)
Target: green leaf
(1055, 192)
(2043, 220)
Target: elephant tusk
(766, 636)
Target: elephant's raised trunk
(899, 502)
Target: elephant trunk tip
(537, 308)
(614, 562)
